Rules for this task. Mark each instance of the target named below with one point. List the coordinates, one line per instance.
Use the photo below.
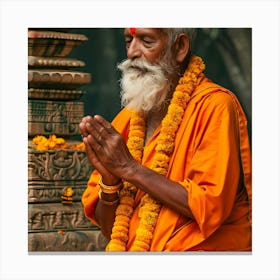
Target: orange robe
(211, 159)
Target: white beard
(144, 86)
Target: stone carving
(58, 165)
(57, 178)
(57, 216)
(55, 94)
(54, 117)
(45, 78)
(50, 193)
(52, 43)
(56, 62)
(69, 241)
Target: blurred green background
(227, 53)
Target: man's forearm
(105, 212)
(168, 192)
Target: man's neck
(153, 119)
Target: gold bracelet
(105, 201)
(109, 189)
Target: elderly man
(173, 170)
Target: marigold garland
(149, 207)
(53, 143)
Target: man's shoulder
(210, 90)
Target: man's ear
(182, 46)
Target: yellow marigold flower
(124, 210)
(160, 164)
(164, 147)
(80, 146)
(39, 139)
(122, 224)
(60, 141)
(160, 170)
(148, 199)
(116, 246)
(119, 228)
(125, 191)
(52, 137)
(127, 200)
(122, 219)
(52, 145)
(144, 235)
(140, 246)
(131, 189)
(149, 207)
(64, 146)
(42, 147)
(120, 235)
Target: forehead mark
(132, 31)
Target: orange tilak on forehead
(132, 31)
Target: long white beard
(144, 86)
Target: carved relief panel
(57, 178)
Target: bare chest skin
(153, 120)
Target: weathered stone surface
(57, 216)
(59, 241)
(65, 166)
(57, 178)
(52, 43)
(51, 193)
(54, 94)
(64, 79)
(54, 117)
(54, 62)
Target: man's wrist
(109, 189)
(108, 199)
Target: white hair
(144, 86)
(172, 33)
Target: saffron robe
(212, 161)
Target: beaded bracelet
(109, 189)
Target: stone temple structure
(57, 177)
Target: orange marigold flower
(54, 143)
(120, 235)
(39, 139)
(140, 246)
(124, 210)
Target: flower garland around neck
(149, 207)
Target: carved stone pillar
(55, 224)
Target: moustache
(140, 66)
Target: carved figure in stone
(36, 243)
(73, 241)
(36, 221)
(64, 165)
(59, 222)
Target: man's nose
(133, 50)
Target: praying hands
(106, 149)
